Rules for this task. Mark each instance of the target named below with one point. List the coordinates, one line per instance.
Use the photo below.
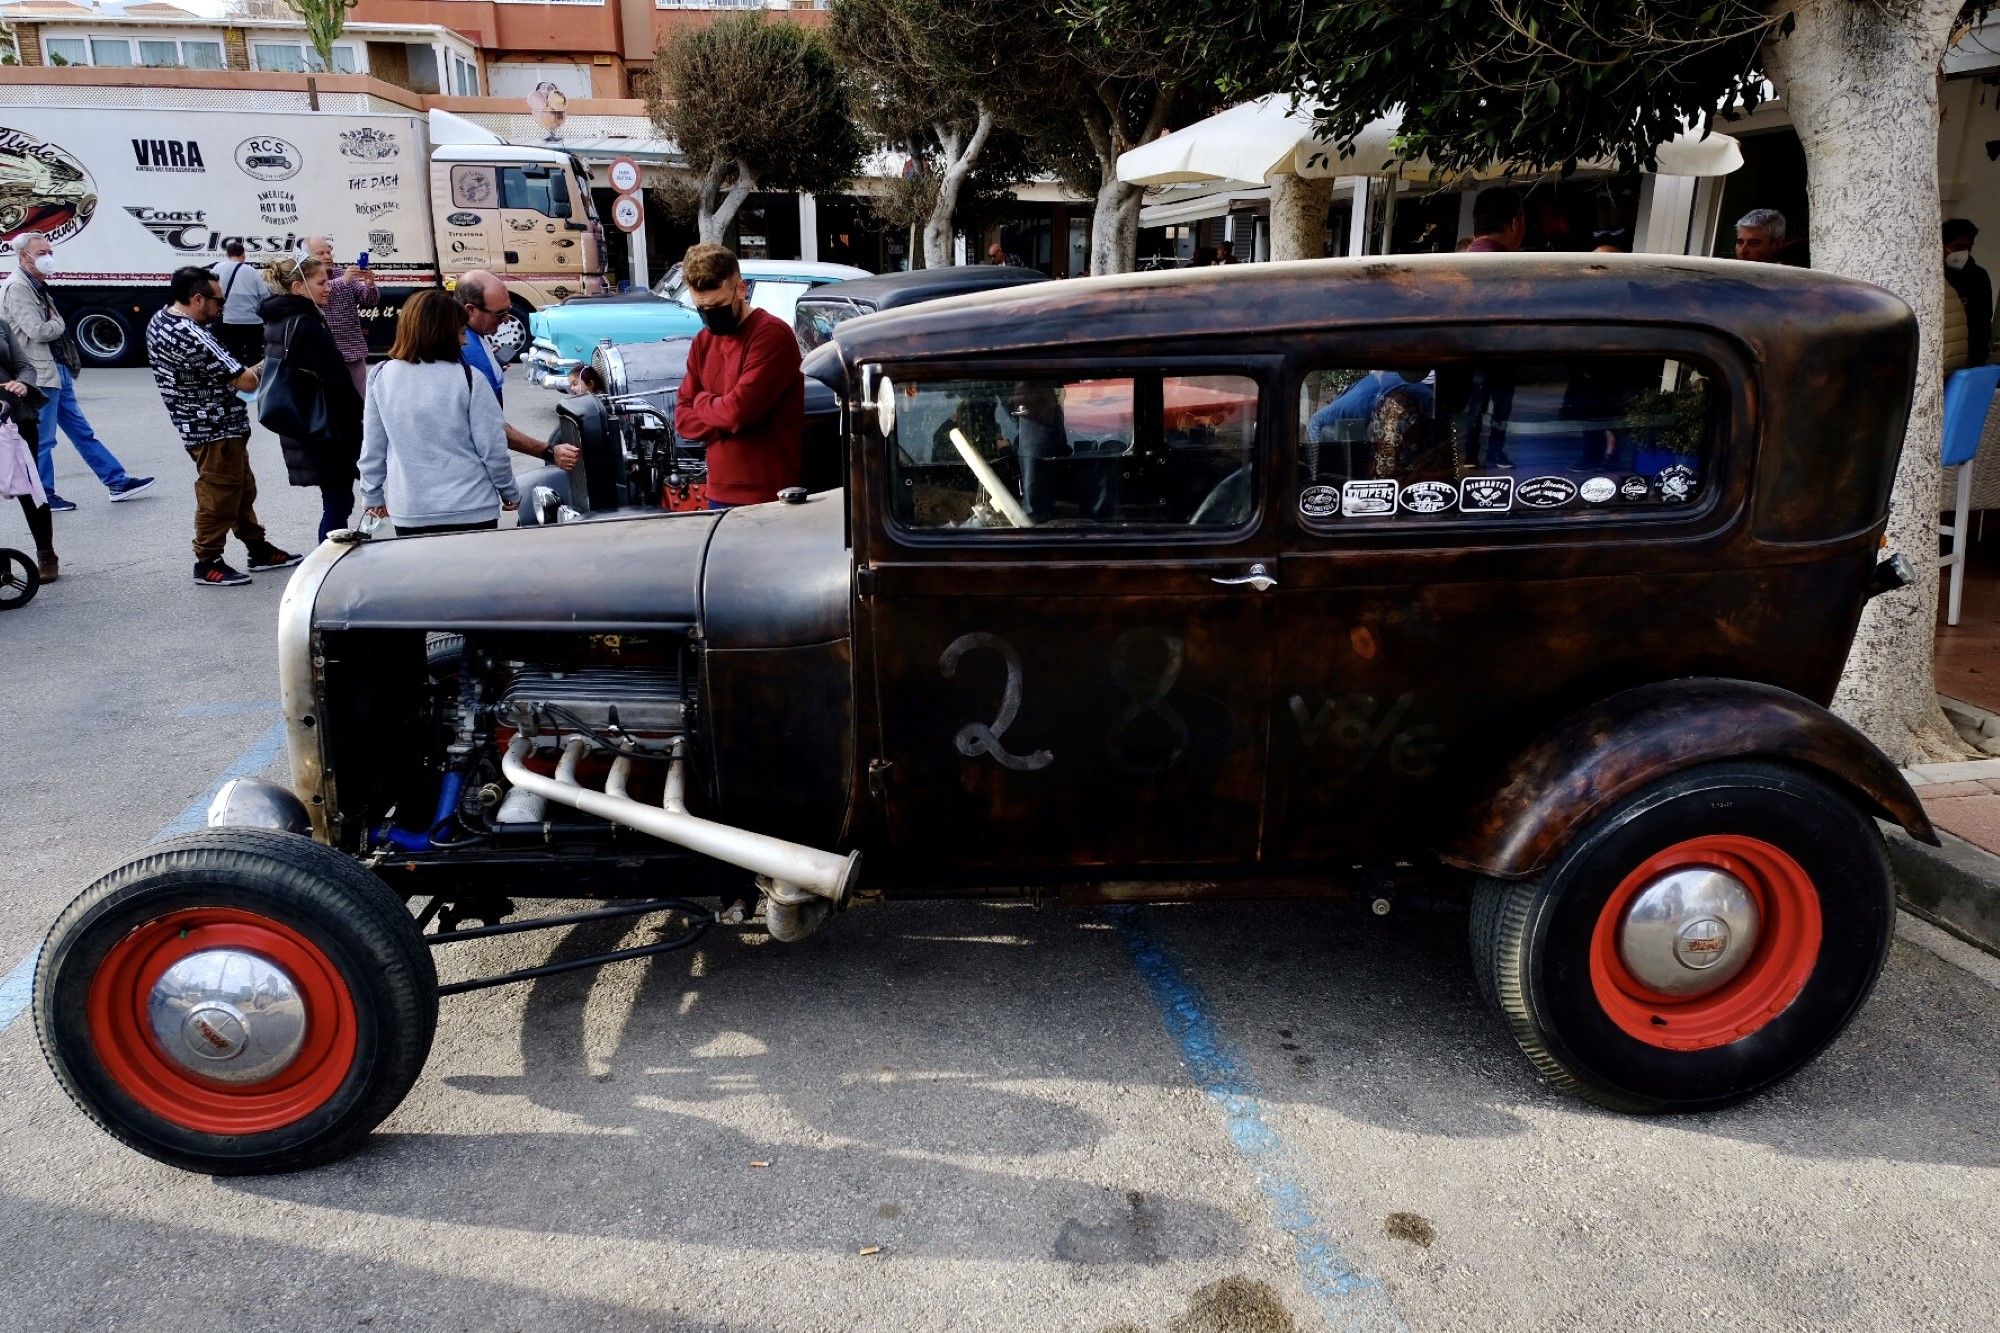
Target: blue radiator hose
(405, 841)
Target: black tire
(20, 578)
(104, 337)
(361, 932)
(1532, 940)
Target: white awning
(1255, 141)
(1194, 206)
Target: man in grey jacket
(31, 312)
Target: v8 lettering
(1361, 729)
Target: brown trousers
(225, 497)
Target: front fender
(1604, 754)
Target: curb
(1956, 886)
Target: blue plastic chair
(1968, 397)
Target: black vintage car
(1522, 579)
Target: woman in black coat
(296, 337)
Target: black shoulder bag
(291, 401)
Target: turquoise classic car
(565, 336)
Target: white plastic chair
(1968, 397)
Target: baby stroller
(20, 580)
(20, 576)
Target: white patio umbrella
(1255, 141)
(1266, 141)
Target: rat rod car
(1527, 578)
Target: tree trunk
(1114, 224)
(1299, 207)
(718, 210)
(1860, 81)
(961, 154)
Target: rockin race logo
(43, 189)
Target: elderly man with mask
(1974, 288)
(484, 297)
(53, 363)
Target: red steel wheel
(236, 1000)
(222, 1021)
(1696, 942)
(1705, 942)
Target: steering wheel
(1224, 500)
(989, 481)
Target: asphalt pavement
(930, 1115)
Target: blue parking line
(17, 987)
(1347, 1298)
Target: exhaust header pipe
(821, 874)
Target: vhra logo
(183, 155)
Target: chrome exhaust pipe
(822, 874)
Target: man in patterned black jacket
(199, 380)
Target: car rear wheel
(236, 1001)
(1695, 945)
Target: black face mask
(719, 318)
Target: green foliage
(325, 20)
(1543, 83)
(766, 100)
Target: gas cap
(793, 495)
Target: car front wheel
(236, 1001)
(1696, 944)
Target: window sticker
(1486, 495)
(1429, 497)
(1363, 499)
(1547, 492)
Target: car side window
(1501, 440)
(535, 191)
(1145, 451)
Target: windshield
(816, 320)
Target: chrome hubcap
(1689, 932)
(228, 1015)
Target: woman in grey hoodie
(433, 441)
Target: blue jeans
(336, 507)
(61, 409)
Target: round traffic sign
(624, 175)
(627, 212)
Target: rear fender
(1604, 754)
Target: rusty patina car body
(1527, 580)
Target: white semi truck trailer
(128, 194)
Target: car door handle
(511, 256)
(1258, 578)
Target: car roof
(889, 290)
(1761, 305)
(800, 268)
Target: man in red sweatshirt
(743, 395)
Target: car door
(1493, 528)
(541, 237)
(1069, 621)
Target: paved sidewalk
(1962, 798)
